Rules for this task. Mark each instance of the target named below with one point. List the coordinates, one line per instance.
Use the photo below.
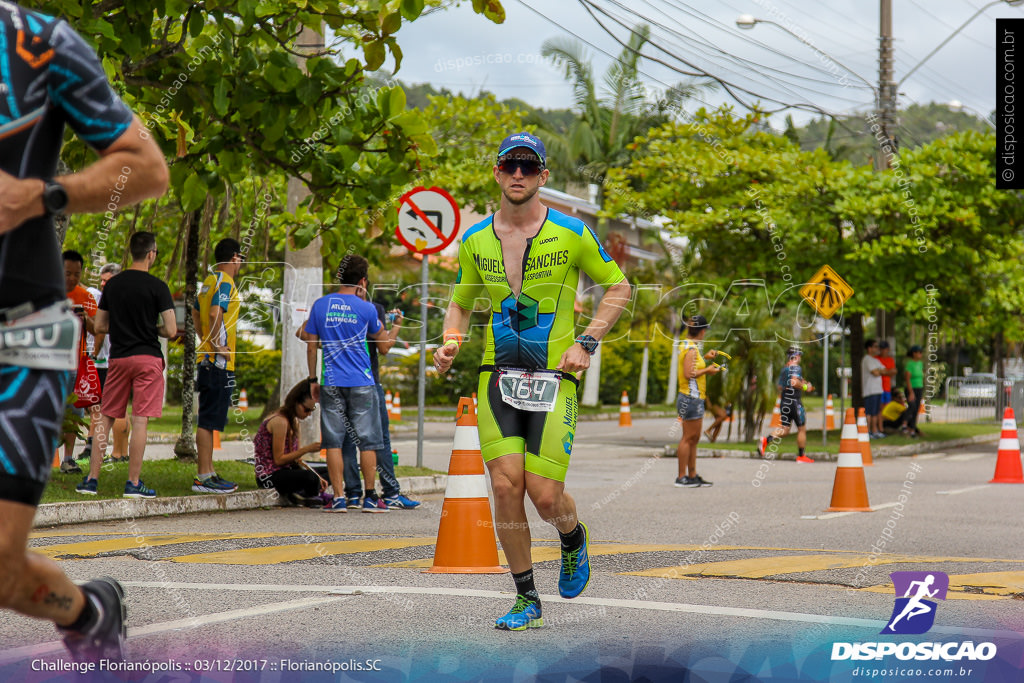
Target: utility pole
(303, 279)
(885, 148)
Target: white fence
(982, 397)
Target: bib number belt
(532, 390)
(44, 340)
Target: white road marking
(833, 515)
(953, 492)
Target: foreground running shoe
(688, 482)
(523, 615)
(105, 638)
(575, 574)
(88, 487)
(337, 505)
(374, 504)
(804, 458)
(701, 481)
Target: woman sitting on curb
(278, 457)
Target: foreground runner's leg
(508, 481)
(559, 509)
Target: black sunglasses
(529, 167)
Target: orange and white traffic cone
(389, 404)
(830, 414)
(864, 438)
(243, 400)
(216, 441)
(922, 410)
(776, 414)
(396, 405)
(465, 537)
(56, 458)
(850, 490)
(1008, 466)
(625, 418)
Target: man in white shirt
(871, 371)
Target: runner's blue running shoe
(575, 574)
(523, 615)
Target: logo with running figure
(912, 613)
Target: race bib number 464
(534, 391)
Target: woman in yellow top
(690, 401)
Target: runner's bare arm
(130, 170)
(457, 318)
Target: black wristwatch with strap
(588, 343)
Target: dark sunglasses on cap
(529, 167)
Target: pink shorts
(141, 377)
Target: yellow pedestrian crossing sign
(826, 292)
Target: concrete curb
(879, 452)
(124, 509)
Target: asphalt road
(688, 584)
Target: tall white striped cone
(465, 537)
(1008, 467)
(396, 406)
(864, 438)
(388, 403)
(243, 400)
(830, 414)
(849, 491)
(776, 414)
(625, 417)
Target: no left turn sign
(428, 220)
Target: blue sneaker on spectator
(213, 484)
(139, 490)
(88, 486)
(575, 574)
(523, 615)
(353, 503)
(337, 505)
(400, 502)
(374, 504)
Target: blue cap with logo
(525, 140)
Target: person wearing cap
(525, 262)
(691, 397)
(791, 385)
(913, 373)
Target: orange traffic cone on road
(56, 458)
(864, 438)
(465, 537)
(776, 414)
(850, 490)
(922, 410)
(216, 440)
(396, 407)
(389, 404)
(243, 400)
(830, 414)
(1008, 467)
(625, 417)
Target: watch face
(55, 198)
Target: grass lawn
(168, 478)
(933, 432)
(170, 422)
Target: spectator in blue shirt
(341, 323)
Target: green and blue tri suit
(530, 331)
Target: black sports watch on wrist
(55, 198)
(313, 380)
(588, 343)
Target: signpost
(428, 221)
(826, 292)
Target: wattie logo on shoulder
(914, 612)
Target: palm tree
(608, 122)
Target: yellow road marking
(92, 548)
(760, 567)
(552, 553)
(997, 586)
(300, 551)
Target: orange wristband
(452, 334)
